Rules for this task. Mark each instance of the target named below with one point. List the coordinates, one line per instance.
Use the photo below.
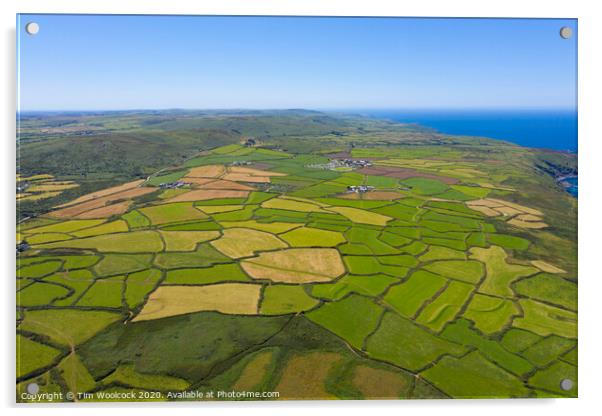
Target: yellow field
(361, 216)
(103, 192)
(527, 224)
(209, 171)
(490, 212)
(230, 298)
(378, 384)
(546, 267)
(521, 216)
(291, 205)
(243, 242)
(105, 212)
(254, 372)
(304, 376)
(52, 186)
(243, 174)
(37, 197)
(101, 203)
(296, 265)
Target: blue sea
(550, 129)
(573, 187)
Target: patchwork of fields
(263, 272)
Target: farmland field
(224, 264)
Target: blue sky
(138, 62)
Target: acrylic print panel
(273, 208)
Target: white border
(590, 139)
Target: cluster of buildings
(250, 142)
(359, 189)
(22, 186)
(334, 164)
(355, 164)
(173, 185)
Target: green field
(303, 286)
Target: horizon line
(316, 109)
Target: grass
(398, 211)
(446, 306)
(479, 377)
(67, 326)
(203, 225)
(351, 318)
(548, 349)
(138, 285)
(370, 238)
(490, 314)
(462, 333)
(169, 213)
(401, 342)
(500, 273)
(362, 264)
(40, 269)
(550, 378)
(186, 240)
(104, 292)
(75, 374)
(78, 280)
(133, 242)
(202, 276)
(270, 227)
(118, 226)
(127, 375)
(32, 355)
(458, 245)
(508, 241)
(166, 178)
(204, 256)
(136, 220)
(216, 209)
(312, 237)
(46, 238)
(546, 320)
(382, 240)
(517, 340)
(373, 286)
(284, 299)
(40, 294)
(464, 270)
(112, 264)
(241, 242)
(425, 186)
(173, 345)
(78, 262)
(549, 288)
(473, 191)
(407, 298)
(442, 253)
